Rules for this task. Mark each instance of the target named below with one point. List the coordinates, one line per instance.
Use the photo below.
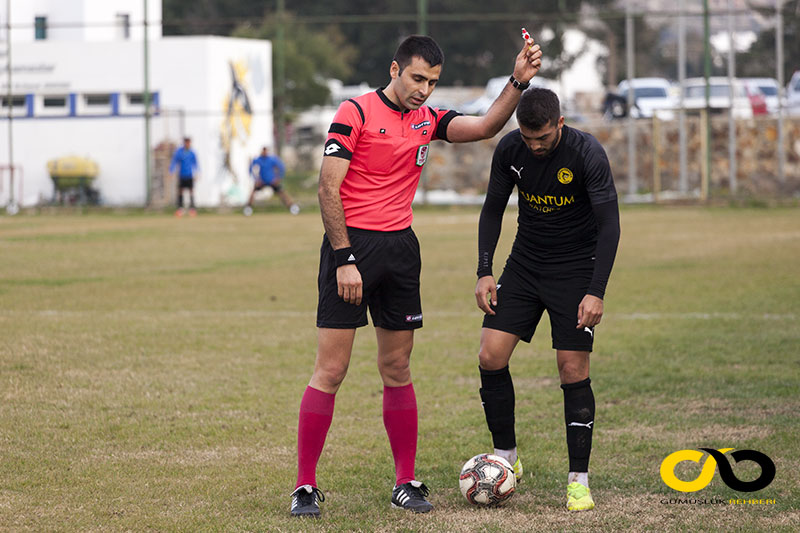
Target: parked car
(793, 94)
(768, 88)
(694, 96)
(651, 96)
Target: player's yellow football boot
(518, 470)
(578, 497)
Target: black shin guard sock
(497, 394)
(579, 416)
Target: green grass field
(151, 369)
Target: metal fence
(692, 156)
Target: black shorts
(390, 264)
(524, 294)
(260, 185)
(185, 183)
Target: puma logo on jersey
(589, 330)
(519, 172)
(578, 424)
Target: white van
(694, 96)
(651, 96)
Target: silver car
(793, 94)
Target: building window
(98, 99)
(123, 26)
(16, 101)
(136, 99)
(40, 27)
(55, 101)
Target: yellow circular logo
(565, 175)
(668, 465)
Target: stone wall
(465, 167)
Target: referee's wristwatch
(518, 84)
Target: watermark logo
(712, 460)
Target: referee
(567, 236)
(370, 260)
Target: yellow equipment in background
(72, 177)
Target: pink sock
(400, 420)
(316, 413)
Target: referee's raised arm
(468, 128)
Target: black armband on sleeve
(334, 148)
(444, 122)
(607, 216)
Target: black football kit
(568, 230)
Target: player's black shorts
(390, 264)
(185, 183)
(524, 294)
(260, 185)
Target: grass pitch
(151, 369)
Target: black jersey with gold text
(556, 223)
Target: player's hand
(348, 280)
(486, 291)
(590, 312)
(528, 62)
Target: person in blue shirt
(268, 171)
(185, 162)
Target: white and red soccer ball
(487, 480)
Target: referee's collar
(391, 105)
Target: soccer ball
(487, 480)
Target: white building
(77, 88)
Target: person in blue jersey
(184, 163)
(567, 236)
(268, 171)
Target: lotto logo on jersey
(565, 176)
(422, 154)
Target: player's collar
(391, 105)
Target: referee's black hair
(538, 108)
(418, 45)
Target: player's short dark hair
(538, 108)
(418, 45)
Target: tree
(309, 58)
(760, 60)
(479, 41)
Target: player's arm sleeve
(281, 168)
(443, 118)
(174, 162)
(345, 130)
(607, 216)
(491, 219)
(603, 195)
